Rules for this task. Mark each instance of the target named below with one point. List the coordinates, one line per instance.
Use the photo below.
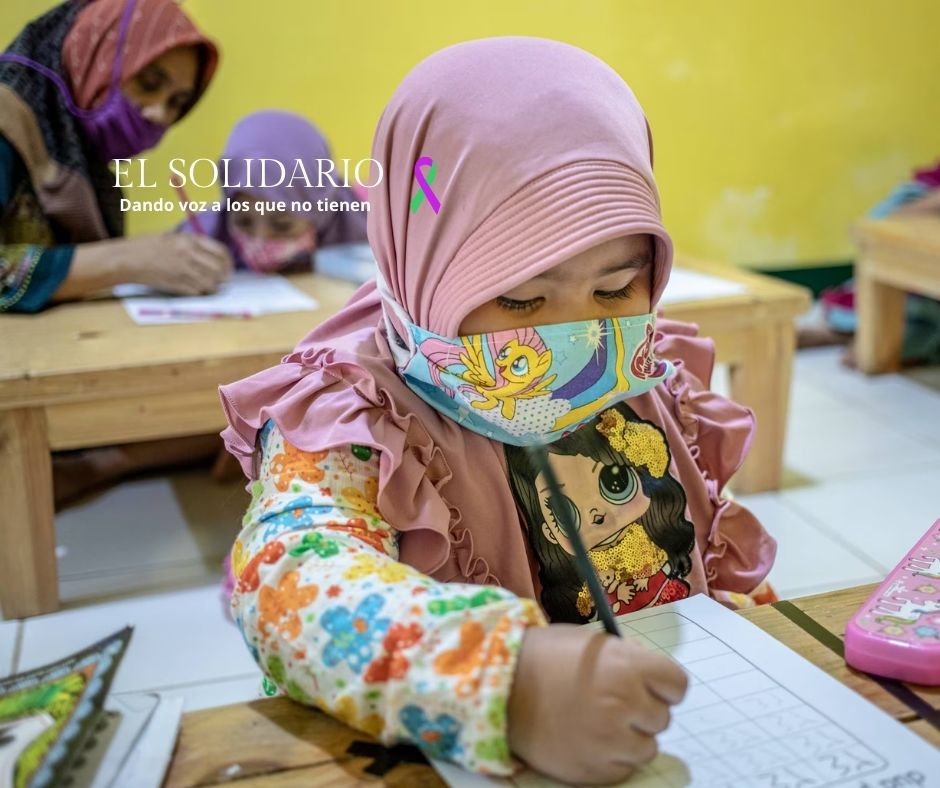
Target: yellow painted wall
(776, 124)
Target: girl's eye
(180, 102)
(611, 295)
(519, 306)
(149, 82)
(618, 484)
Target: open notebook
(757, 715)
(246, 294)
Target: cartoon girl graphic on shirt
(614, 476)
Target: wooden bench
(896, 256)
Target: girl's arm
(335, 621)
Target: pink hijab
(542, 152)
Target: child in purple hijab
(401, 564)
(284, 241)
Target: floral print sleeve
(335, 621)
(32, 266)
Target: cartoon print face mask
(530, 385)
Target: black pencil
(539, 455)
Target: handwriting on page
(742, 727)
(756, 715)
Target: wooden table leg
(879, 309)
(761, 380)
(28, 576)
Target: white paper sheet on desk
(351, 262)
(757, 715)
(246, 293)
(686, 285)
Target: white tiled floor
(865, 453)
(9, 630)
(148, 533)
(180, 637)
(808, 559)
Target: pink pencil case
(896, 633)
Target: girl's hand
(585, 706)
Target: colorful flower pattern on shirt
(293, 464)
(353, 632)
(336, 621)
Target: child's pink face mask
(266, 255)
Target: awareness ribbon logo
(425, 185)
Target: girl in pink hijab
(401, 564)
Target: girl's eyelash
(149, 82)
(623, 292)
(519, 306)
(524, 306)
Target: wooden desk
(832, 611)
(276, 742)
(82, 375)
(896, 256)
(755, 336)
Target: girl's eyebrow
(634, 263)
(640, 261)
(561, 486)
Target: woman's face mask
(116, 129)
(530, 385)
(266, 255)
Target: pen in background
(192, 314)
(190, 213)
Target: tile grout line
(195, 684)
(18, 646)
(108, 574)
(186, 563)
(861, 405)
(850, 476)
(823, 588)
(822, 526)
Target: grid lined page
(737, 726)
(756, 715)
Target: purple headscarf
(285, 136)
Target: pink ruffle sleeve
(716, 433)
